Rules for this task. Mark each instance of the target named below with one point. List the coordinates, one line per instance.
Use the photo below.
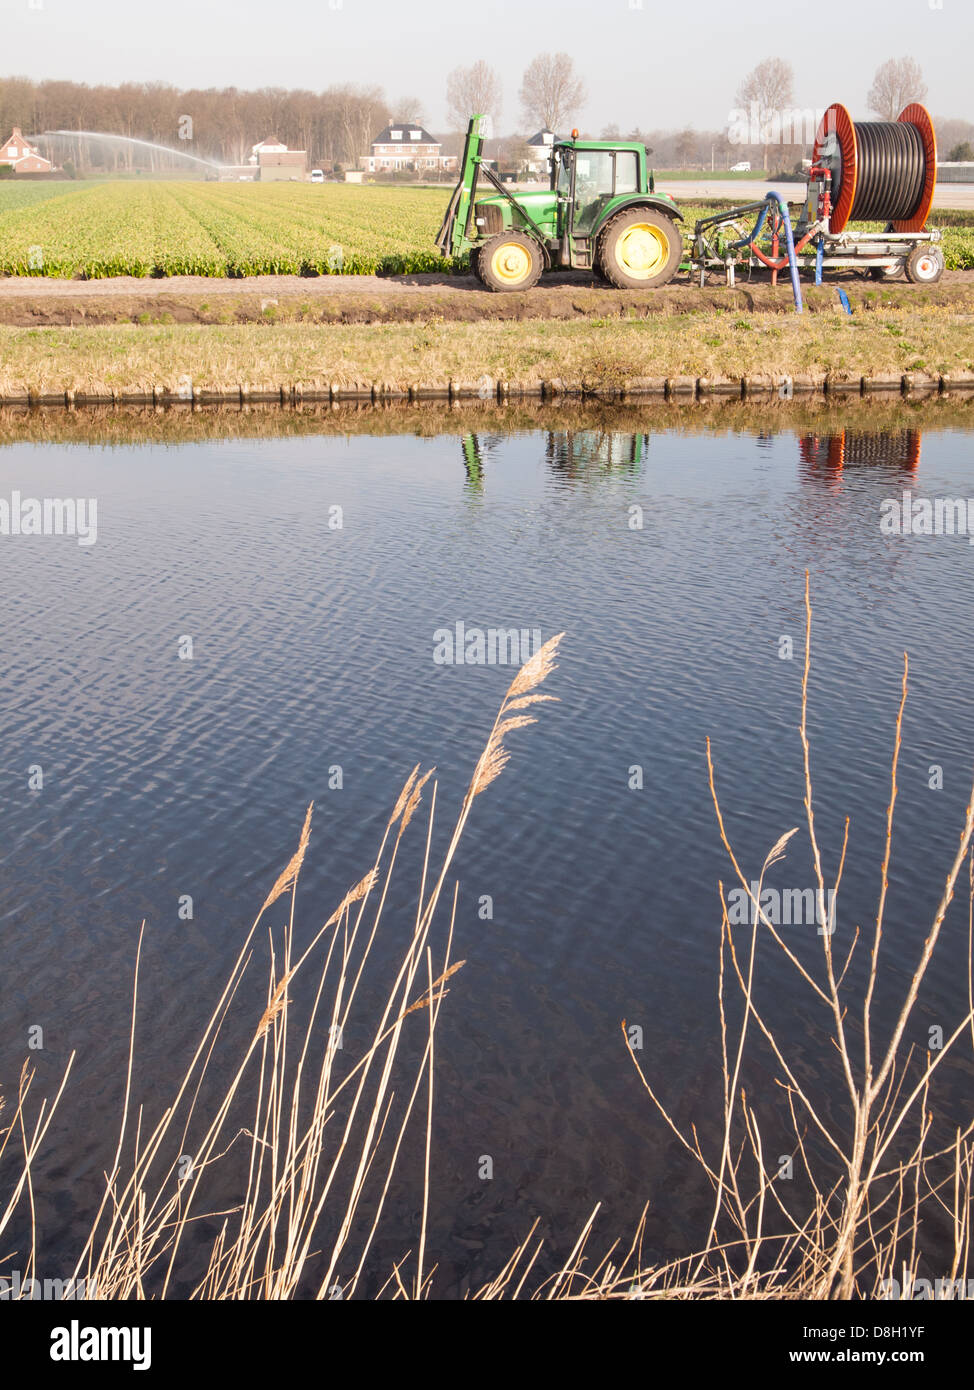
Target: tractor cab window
(594, 181)
(627, 173)
(563, 172)
(593, 173)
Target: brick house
(24, 158)
(405, 145)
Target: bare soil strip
(36, 302)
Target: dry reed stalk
(317, 1139)
(324, 1141)
(844, 1246)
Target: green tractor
(601, 213)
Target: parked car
(317, 176)
(743, 168)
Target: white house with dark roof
(539, 151)
(406, 145)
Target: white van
(317, 176)
(743, 168)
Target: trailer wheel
(510, 261)
(925, 265)
(640, 249)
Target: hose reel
(882, 171)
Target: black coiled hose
(892, 171)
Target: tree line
(336, 126)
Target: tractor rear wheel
(475, 269)
(640, 249)
(509, 261)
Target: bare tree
(769, 87)
(551, 90)
(898, 82)
(686, 145)
(408, 109)
(472, 91)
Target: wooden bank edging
(681, 388)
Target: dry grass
(324, 1129)
(602, 353)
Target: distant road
(946, 195)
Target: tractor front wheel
(509, 261)
(640, 249)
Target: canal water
(256, 622)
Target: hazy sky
(663, 64)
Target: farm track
(32, 301)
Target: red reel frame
(839, 123)
(918, 115)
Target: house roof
(544, 137)
(18, 135)
(385, 137)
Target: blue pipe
(746, 241)
(769, 199)
(789, 238)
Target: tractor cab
(587, 178)
(601, 212)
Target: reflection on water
(575, 452)
(822, 457)
(826, 455)
(313, 649)
(568, 453)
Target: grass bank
(597, 354)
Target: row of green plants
(98, 230)
(158, 229)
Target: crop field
(93, 231)
(100, 229)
